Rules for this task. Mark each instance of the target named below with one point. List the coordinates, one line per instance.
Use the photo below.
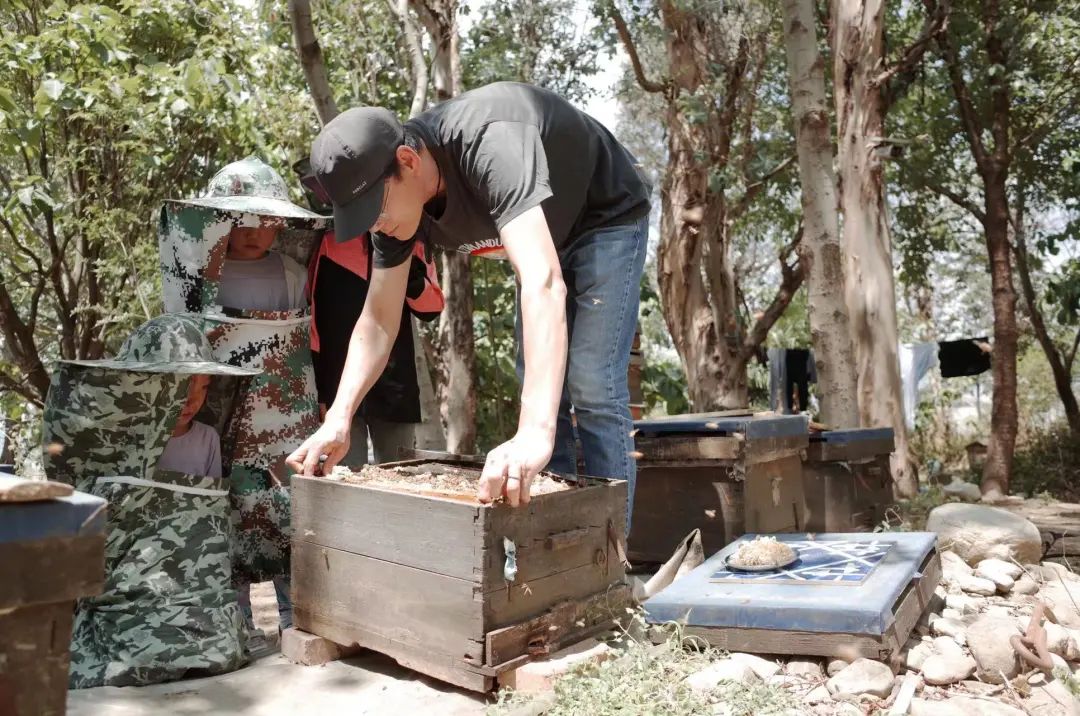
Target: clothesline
(791, 370)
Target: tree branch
(1071, 358)
(311, 60)
(400, 8)
(631, 50)
(792, 279)
(969, 117)
(739, 206)
(957, 199)
(903, 70)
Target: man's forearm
(543, 317)
(369, 349)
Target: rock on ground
(806, 668)
(976, 585)
(1063, 598)
(944, 669)
(764, 668)
(962, 706)
(962, 603)
(988, 640)
(918, 654)
(863, 676)
(835, 666)
(978, 532)
(948, 627)
(1025, 585)
(952, 562)
(724, 670)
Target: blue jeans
(602, 271)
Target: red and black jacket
(338, 280)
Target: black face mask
(316, 196)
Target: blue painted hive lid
(78, 514)
(844, 437)
(767, 425)
(842, 583)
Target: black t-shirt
(339, 296)
(507, 147)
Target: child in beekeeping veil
(253, 277)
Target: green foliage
(105, 109)
(535, 41)
(648, 680)
(494, 308)
(1048, 461)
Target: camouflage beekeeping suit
(280, 407)
(168, 609)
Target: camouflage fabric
(168, 610)
(252, 186)
(102, 421)
(279, 408)
(173, 343)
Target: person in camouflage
(168, 609)
(247, 203)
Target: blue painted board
(845, 437)
(843, 563)
(75, 515)
(819, 606)
(752, 426)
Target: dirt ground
(369, 684)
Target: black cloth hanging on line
(963, 357)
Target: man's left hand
(511, 467)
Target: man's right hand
(331, 440)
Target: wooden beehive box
(423, 578)
(54, 554)
(847, 479)
(723, 473)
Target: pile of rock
(960, 661)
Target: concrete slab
(368, 685)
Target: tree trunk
(311, 60)
(457, 345)
(713, 380)
(429, 433)
(870, 289)
(1059, 366)
(1003, 418)
(820, 248)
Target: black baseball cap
(351, 158)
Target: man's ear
(408, 158)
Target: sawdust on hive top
(762, 552)
(434, 479)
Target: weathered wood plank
(845, 497)
(424, 532)
(855, 451)
(767, 449)
(687, 447)
(444, 667)
(775, 501)
(561, 625)
(670, 501)
(575, 519)
(398, 602)
(916, 598)
(34, 658)
(57, 569)
(523, 600)
(796, 643)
